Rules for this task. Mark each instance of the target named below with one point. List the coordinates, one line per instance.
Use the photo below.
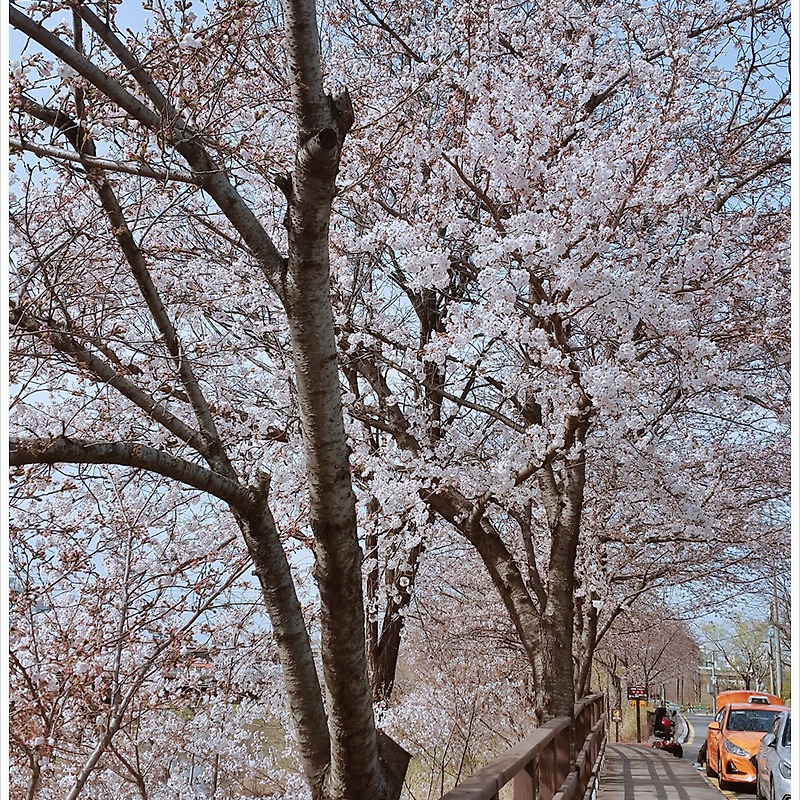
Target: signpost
(638, 693)
(616, 718)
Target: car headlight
(734, 749)
(786, 769)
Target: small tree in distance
(743, 644)
(649, 649)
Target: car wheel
(723, 784)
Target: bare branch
(109, 87)
(212, 449)
(784, 159)
(384, 25)
(186, 142)
(66, 343)
(127, 167)
(62, 450)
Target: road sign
(637, 693)
(616, 718)
(638, 697)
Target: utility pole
(771, 652)
(707, 683)
(713, 683)
(638, 721)
(775, 630)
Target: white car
(774, 761)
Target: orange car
(746, 696)
(733, 738)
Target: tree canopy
(374, 287)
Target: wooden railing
(540, 764)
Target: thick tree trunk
(360, 766)
(293, 644)
(563, 504)
(355, 768)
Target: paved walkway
(637, 772)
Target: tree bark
(386, 650)
(323, 121)
(292, 641)
(587, 613)
(355, 769)
(556, 689)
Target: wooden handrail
(540, 765)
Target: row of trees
(194, 672)
(518, 294)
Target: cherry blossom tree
(559, 239)
(117, 600)
(649, 648)
(558, 245)
(698, 536)
(108, 77)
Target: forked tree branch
(783, 159)
(187, 142)
(211, 448)
(65, 342)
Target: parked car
(747, 696)
(733, 739)
(774, 761)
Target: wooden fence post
(525, 782)
(548, 780)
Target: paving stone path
(638, 772)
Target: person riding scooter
(664, 725)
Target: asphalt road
(698, 726)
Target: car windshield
(787, 734)
(751, 719)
